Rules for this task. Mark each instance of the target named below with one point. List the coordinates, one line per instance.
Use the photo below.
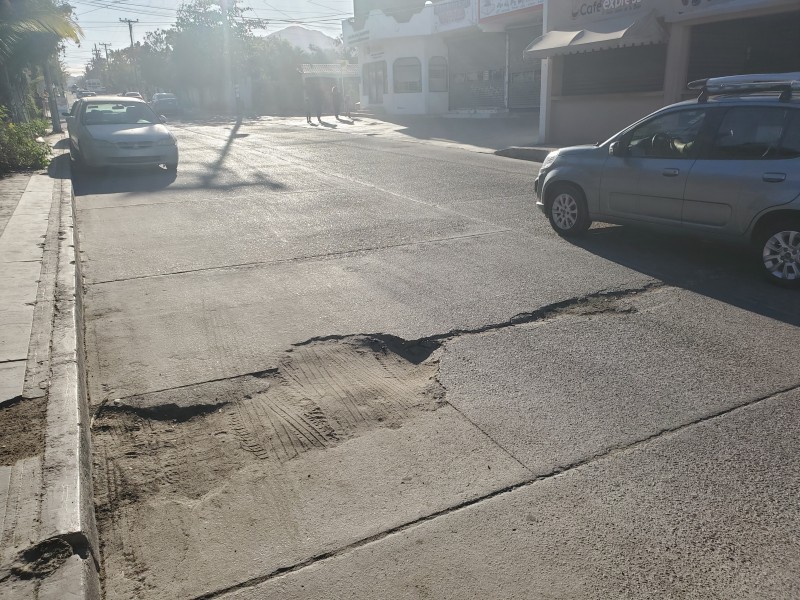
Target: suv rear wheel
(779, 252)
(567, 210)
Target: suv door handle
(670, 172)
(773, 177)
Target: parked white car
(110, 131)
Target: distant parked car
(108, 131)
(85, 93)
(133, 95)
(164, 103)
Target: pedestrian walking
(337, 101)
(347, 106)
(317, 98)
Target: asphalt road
(341, 365)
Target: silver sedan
(106, 131)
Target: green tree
(31, 32)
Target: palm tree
(30, 32)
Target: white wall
(389, 50)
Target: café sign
(598, 9)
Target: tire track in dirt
(180, 445)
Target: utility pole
(130, 23)
(226, 60)
(105, 46)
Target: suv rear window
(756, 133)
(790, 145)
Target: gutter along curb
(67, 503)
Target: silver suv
(726, 166)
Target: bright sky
(99, 20)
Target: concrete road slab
(269, 228)
(709, 511)
(172, 331)
(263, 515)
(558, 392)
(116, 188)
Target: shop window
(437, 74)
(407, 75)
(615, 71)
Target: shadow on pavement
(59, 167)
(723, 272)
(496, 132)
(118, 181)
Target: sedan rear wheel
(567, 210)
(780, 254)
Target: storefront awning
(610, 33)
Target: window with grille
(407, 75)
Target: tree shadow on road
(713, 269)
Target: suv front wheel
(779, 252)
(567, 210)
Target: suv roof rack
(784, 83)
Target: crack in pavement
(323, 392)
(309, 258)
(608, 452)
(418, 349)
(588, 304)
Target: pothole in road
(185, 446)
(321, 394)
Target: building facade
(448, 55)
(608, 62)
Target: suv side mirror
(616, 149)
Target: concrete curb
(67, 503)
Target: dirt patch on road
(183, 444)
(22, 424)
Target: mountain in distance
(302, 38)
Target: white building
(449, 55)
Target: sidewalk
(513, 135)
(47, 534)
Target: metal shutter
(615, 71)
(755, 45)
(477, 71)
(525, 76)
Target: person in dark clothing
(337, 101)
(316, 99)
